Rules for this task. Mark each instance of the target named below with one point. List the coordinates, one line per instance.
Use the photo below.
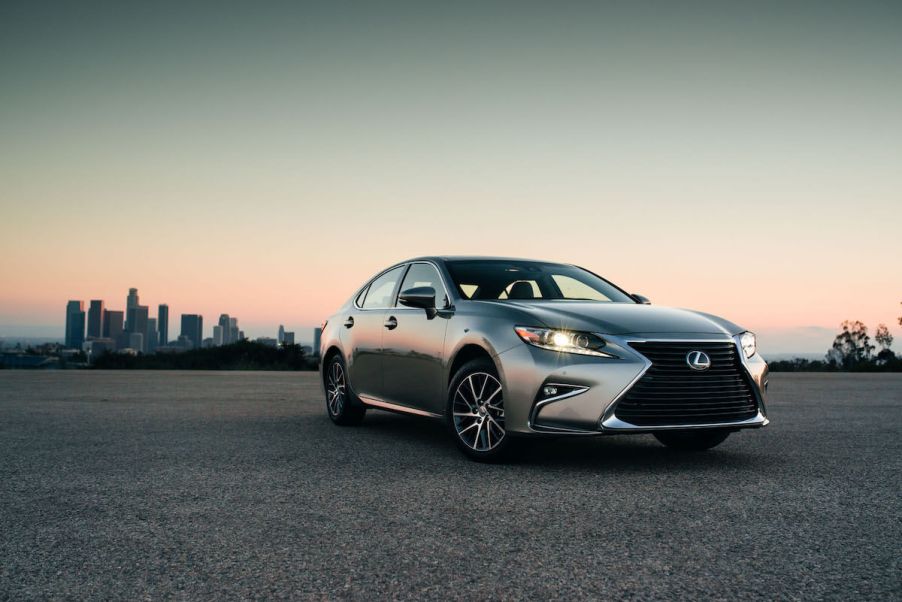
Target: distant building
(136, 322)
(208, 342)
(97, 347)
(224, 323)
(233, 330)
(113, 327)
(152, 337)
(217, 336)
(95, 319)
(268, 341)
(241, 335)
(75, 324)
(163, 323)
(281, 334)
(130, 302)
(193, 329)
(184, 343)
(288, 338)
(317, 340)
(136, 341)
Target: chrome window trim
(449, 304)
(373, 279)
(441, 277)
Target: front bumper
(591, 388)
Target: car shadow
(627, 453)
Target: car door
(413, 345)
(363, 331)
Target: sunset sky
(744, 159)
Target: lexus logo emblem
(698, 360)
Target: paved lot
(185, 485)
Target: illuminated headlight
(748, 343)
(565, 341)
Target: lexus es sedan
(504, 348)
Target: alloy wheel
(335, 389)
(478, 412)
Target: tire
(342, 405)
(692, 440)
(475, 412)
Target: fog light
(549, 391)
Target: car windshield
(500, 280)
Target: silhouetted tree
(852, 346)
(885, 340)
(883, 337)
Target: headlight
(748, 343)
(565, 341)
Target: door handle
(349, 322)
(391, 323)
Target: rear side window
(379, 294)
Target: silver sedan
(502, 349)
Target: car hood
(624, 318)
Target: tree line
(852, 350)
(243, 355)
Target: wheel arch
(467, 353)
(331, 352)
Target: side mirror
(420, 296)
(641, 299)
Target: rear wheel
(692, 440)
(476, 411)
(343, 407)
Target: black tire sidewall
(352, 411)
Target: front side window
(424, 274)
(492, 279)
(379, 294)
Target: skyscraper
(193, 329)
(130, 302)
(224, 322)
(136, 322)
(163, 323)
(233, 330)
(281, 334)
(95, 319)
(113, 327)
(75, 324)
(317, 339)
(151, 340)
(217, 335)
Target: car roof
(474, 258)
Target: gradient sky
(740, 158)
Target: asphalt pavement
(181, 485)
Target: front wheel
(476, 412)
(342, 406)
(692, 440)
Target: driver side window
(424, 274)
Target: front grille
(671, 393)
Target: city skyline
(102, 330)
(741, 160)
